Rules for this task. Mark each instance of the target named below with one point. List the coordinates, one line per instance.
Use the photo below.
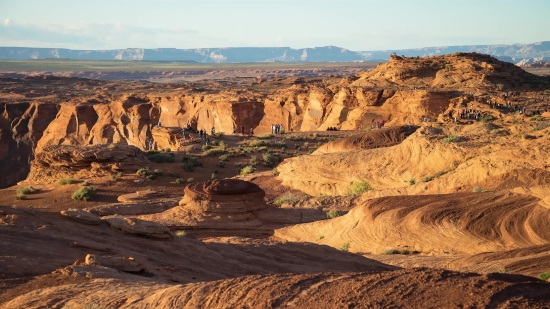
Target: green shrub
(178, 180)
(253, 161)
(451, 139)
(333, 213)
(181, 233)
(188, 167)
(67, 181)
(265, 136)
(412, 181)
(477, 190)
(487, 118)
(219, 134)
(262, 149)
(142, 172)
(206, 147)
(20, 196)
(113, 177)
(152, 176)
(536, 118)
(223, 157)
(282, 201)
(213, 176)
(306, 144)
(257, 143)
(161, 158)
(345, 246)
(190, 180)
(223, 144)
(112, 146)
(427, 179)
(248, 170)
(27, 190)
(544, 276)
(268, 160)
(315, 135)
(391, 251)
(214, 143)
(358, 187)
(84, 194)
(214, 152)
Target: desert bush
(536, 118)
(345, 246)
(391, 251)
(499, 87)
(206, 147)
(223, 144)
(333, 213)
(142, 172)
(112, 146)
(214, 143)
(265, 136)
(358, 187)
(451, 139)
(181, 233)
(427, 179)
(20, 196)
(188, 167)
(113, 177)
(214, 152)
(27, 190)
(223, 157)
(487, 118)
(321, 237)
(253, 161)
(544, 276)
(412, 181)
(315, 135)
(219, 134)
(178, 180)
(257, 143)
(262, 149)
(240, 164)
(67, 181)
(161, 158)
(158, 172)
(268, 160)
(248, 170)
(213, 176)
(84, 194)
(367, 129)
(152, 176)
(477, 190)
(119, 174)
(282, 201)
(281, 143)
(190, 180)
(311, 151)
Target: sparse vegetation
(487, 118)
(282, 201)
(412, 181)
(213, 176)
(253, 161)
(181, 233)
(214, 152)
(477, 190)
(20, 196)
(206, 147)
(190, 180)
(359, 187)
(321, 237)
(333, 213)
(160, 157)
(345, 246)
(152, 177)
(544, 276)
(219, 134)
(84, 194)
(248, 170)
(27, 190)
(268, 160)
(66, 181)
(451, 139)
(265, 136)
(112, 146)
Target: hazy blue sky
(356, 25)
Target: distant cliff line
(514, 53)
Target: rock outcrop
(81, 216)
(140, 227)
(65, 160)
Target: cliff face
(21, 127)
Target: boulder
(81, 216)
(140, 227)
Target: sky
(359, 25)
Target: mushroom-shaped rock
(81, 216)
(140, 227)
(127, 264)
(223, 196)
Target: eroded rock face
(126, 264)
(67, 160)
(81, 216)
